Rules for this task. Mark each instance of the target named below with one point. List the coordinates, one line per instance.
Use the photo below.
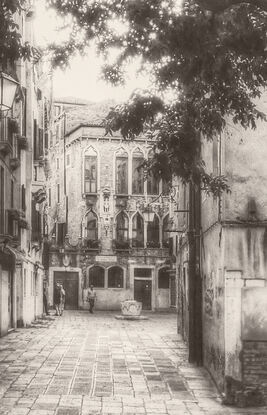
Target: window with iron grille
(96, 277)
(115, 277)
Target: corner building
(99, 232)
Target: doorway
(142, 292)
(70, 284)
(10, 301)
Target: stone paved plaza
(81, 364)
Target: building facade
(223, 248)
(23, 142)
(99, 232)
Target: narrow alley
(94, 364)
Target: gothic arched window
(138, 172)
(152, 180)
(122, 172)
(165, 232)
(91, 226)
(138, 231)
(122, 227)
(153, 233)
(90, 171)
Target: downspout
(195, 282)
(65, 172)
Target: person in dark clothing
(45, 301)
(57, 298)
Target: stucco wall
(4, 315)
(213, 303)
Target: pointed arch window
(96, 277)
(122, 227)
(152, 180)
(91, 226)
(122, 172)
(90, 171)
(138, 173)
(138, 231)
(165, 232)
(153, 233)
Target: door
(10, 301)
(70, 284)
(142, 292)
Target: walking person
(91, 298)
(57, 298)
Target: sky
(82, 79)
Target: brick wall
(255, 366)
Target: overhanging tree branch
(218, 6)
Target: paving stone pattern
(81, 364)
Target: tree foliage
(212, 55)
(12, 46)
(215, 64)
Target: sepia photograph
(133, 207)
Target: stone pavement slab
(81, 364)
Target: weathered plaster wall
(246, 169)
(4, 315)
(213, 303)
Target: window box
(91, 243)
(16, 214)
(121, 245)
(153, 244)
(23, 224)
(137, 244)
(13, 126)
(14, 163)
(22, 142)
(5, 147)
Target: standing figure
(45, 300)
(91, 298)
(62, 299)
(57, 298)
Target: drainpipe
(195, 282)
(64, 170)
